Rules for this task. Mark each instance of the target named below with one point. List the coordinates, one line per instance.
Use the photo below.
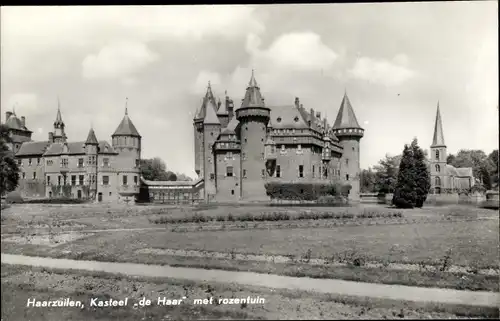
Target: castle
(445, 178)
(79, 169)
(238, 150)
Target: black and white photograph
(296, 161)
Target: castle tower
(438, 156)
(253, 116)
(223, 113)
(346, 128)
(91, 153)
(126, 140)
(211, 131)
(59, 135)
(198, 119)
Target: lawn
(20, 283)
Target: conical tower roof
(346, 117)
(126, 127)
(58, 120)
(253, 97)
(91, 138)
(438, 138)
(209, 98)
(211, 115)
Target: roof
(223, 109)
(231, 127)
(91, 139)
(211, 114)
(451, 170)
(32, 148)
(253, 97)
(170, 183)
(126, 128)
(464, 172)
(209, 97)
(58, 120)
(288, 117)
(438, 137)
(13, 122)
(75, 148)
(346, 117)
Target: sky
(394, 60)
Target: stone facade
(445, 178)
(86, 169)
(238, 151)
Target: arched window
(438, 168)
(438, 181)
(437, 154)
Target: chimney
(23, 121)
(230, 108)
(312, 113)
(318, 114)
(7, 115)
(51, 137)
(297, 102)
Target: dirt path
(348, 288)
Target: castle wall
(228, 187)
(253, 136)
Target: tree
(470, 158)
(421, 174)
(493, 160)
(386, 174)
(367, 181)
(485, 177)
(155, 169)
(405, 195)
(450, 159)
(9, 171)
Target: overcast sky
(395, 61)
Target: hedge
(305, 191)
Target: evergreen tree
(421, 172)
(405, 195)
(485, 177)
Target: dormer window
(296, 119)
(278, 119)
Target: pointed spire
(14, 109)
(346, 117)
(211, 114)
(438, 138)
(59, 120)
(91, 138)
(126, 106)
(253, 97)
(126, 127)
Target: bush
(305, 191)
(13, 197)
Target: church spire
(126, 106)
(253, 97)
(438, 138)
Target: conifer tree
(421, 172)
(405, 195)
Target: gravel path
(348, 288)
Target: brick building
(238, 150)
(78, 169)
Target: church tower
(346, 128)
(59, 135)
(253, 116)
(91, 152)
(438, 156)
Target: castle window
(229, 155)
(105, 180)
(347, 161)
(19, 162)
(273, 149)
(212, 176)
(282, 148)
(229, 171)
(73, 180)
(346, 177)
(64, 162)
(80, 179)
(438, 181)
(299, 149)
(137, 163)
(48, 179)
(353, 149)
(29, 162)
(244, 173)
(34, 175)
(124, 179)
(278, 171)
(313, 172)
(38, 161)
(326, 172)
(80, 162)
(135, 179)
(301, 170)
(437, 154)
(232, 192)
(105, 162)
(24, 175)
(438, 168)
(59, 180)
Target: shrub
(305, 191)
(13, 197)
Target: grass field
(20, 283)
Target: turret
(59, 134)
(211, 131)
(346, 128)
(223, 113)
(438, 155)
(126, 140)
(91, 153)
(253, 116)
